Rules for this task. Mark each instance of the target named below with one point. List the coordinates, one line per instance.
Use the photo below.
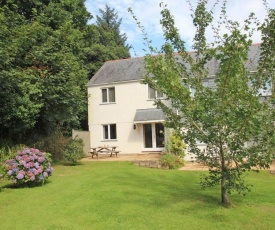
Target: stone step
(148, 163)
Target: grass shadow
(170, 191)
(65, 163)
(10, 185)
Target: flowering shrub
(30, 166)
(1, 176)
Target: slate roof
(119, 71)
(149, 115)
(133, 69)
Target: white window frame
(108, 136)
(266, 92)
(157, 95)
(191, 90)
(108, 101)
(209, 82)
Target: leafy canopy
(50, 52)
(226, 112)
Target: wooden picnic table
(104, 149)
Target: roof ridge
(192, 51)
(124, 59)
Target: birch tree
(232, 118)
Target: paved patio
(124, 157)
(151, 157)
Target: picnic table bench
(104, 149)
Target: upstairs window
(191, 90)
(108, 95)
(209, 83)
(154, 94)
(109, 132)
(266, 91)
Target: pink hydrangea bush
(30, 166)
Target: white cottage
(121, 109)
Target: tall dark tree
(104, 41)
(110, 23)
(42, 72)
(48, 52)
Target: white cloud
(148, 13)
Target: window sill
(107, 103)
(158, 98)
(109, 140)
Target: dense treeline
(48, 52)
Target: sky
(148, 13)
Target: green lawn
(119, 195)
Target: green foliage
(54, 143)
(171, 161)
(73, 151)
(103, 41)
(42, 77)
(236, 126)
(109, 22)
(9, 152)
(50, 53)
(175, 145)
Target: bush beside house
(73, 151)
(174, 152)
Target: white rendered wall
(130, 96)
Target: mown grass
(119, 195)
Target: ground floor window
(109, 132)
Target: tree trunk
(224, 194)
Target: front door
(153, 136)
